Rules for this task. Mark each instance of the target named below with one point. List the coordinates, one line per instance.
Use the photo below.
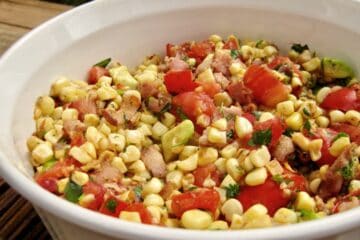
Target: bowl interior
(128, 31)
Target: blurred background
(69, 2)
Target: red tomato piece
(170, 52)
(141, 209)
(206, 199)
(201, 173)
(48, 183)
(281, 60)
(352, 131)
(193, 104)
(299, 182)
(327, 135)
(265, 86)
(200, 50)
(249, 117)
(344, 99)
(77, 139)
(211, 88)
(95, 73)
(113, 207)
(276, 127)
(98, 191)
(231, 43)
(179, 81)
(84, 106)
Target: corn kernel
(80, 155)
(270, 51)
(130, 216)
(175, 177)
(117, 141)
(220, 164)
(207, 155)
(206, 76)
(266, 116)
(243, 127)
(336, 116)
(352, 117)
(158, 130)
(256, 177)
(312, 64)
(285, 216)
(168, 119)
(42, 153)
(339, 145)
(86, 199)
(222, 99)
(274, 167)
(260, 157)
(230, 150)
(322, 93)
(148, 118)
(196, 219)
(218, 225)
(91, 119)
(172, 222)
(254, 212)
(188, 164)
(354, 186)
(203, 120)
(285, 108)
(315, 149)
(215, 38)
(314, 185)
(237, 221)
(80, 178)
(227, 181)
(153, 200)
(232, 168)
(300, 140)
(155, 213)
(235, 68)
(61, 184)
(230, 207)
(155, 185)
(322, 121)
(118, 163)
(134, 137)
(220, 124)
(46, 105)
(295, 121)
(304, 202)
(216, 136)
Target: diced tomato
(249, 117)
(141, 209)
(200, 50)
(276, 127)
(193, 104)
(77, 139)
(232, 43)
(206, 199)
(98, 191)
(344, 99)
(327, 135)
(352, 131)
(265, 86)
(48, 183)
(95, 73)
(281, 60)
(117, 205)
(299, 182)
(84, 106)
(170, 52)
(201, 173)
(179, 81)
(211, 88)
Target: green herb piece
(48, 164)
(234, 53)
(259, 43)
(288, 132)
(280, 179)
(343, 81)
(257, 114)
(299, 48)
(111, 205)
(181, 114)
(307, 125)
(232, 190)
(230, 134)
(262, 137)
(192, 188)
(348, 171)
(138, 191)
(120, 91)
(103, 63)
(306, 112)
(307, 215)
(73, 192)
(166, 108)
(340, 135)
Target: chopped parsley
(307, 125)
(297, 47)
(306, 112)
(288, 132)
(230, 134)
(340, 135)
(192, 188)
(256, 114)
(348, 171)
(138, 191)
(307, 215)
(259, 43)
(261, 137)
(166, 108)
(103, 63)
(181, 114)
(120, 91)
(280, 179)
(111, 205)
(232, 190)
(234, 53)
(73, 192)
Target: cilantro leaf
(166, 108)
(103, 63)
(288, 132)
(340, 135)
(111, 205)
(256, 114)
(307, 125)
(278, 178)
(259, 43)
(232, 190)
(348, 171)
(306, 112)
(234, 53)
(138, 190)
(307, 215)
(297, 47)
(73, 192)
(230, 134)
(181, 114)
(192, 188)
(261, 137)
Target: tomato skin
(327, 135)
(98, 191)
(249, 117)
(344, 99)
(211, 88)
(179, 81)
(48, 183)
(280, 60)
(200, 50)
(201, 173)
(231, 43)
(352, 131)
(276, 127)
(299, 181)
(120, 206)
(78, 139)
(169, 50)
(265, 86)
(141, 209)
(84, 106)
(193, 104)
(207, 199)
(95, 73)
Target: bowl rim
(115, 227)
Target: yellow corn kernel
(118, 163)
(256, 177)
(260, 157)
(42, 153)
(339, 145)
(230, 207)
(336, 116)
(172, 223)
(222, 193)
(285, 108)
(352, 117)
(46, 105)
(207, 155)
(187, 151)
(93, 135)
(188, 180)
(266, 116)
(216, 136)
(72, 93)
(300, 140)
(104, 128)
(247, 52)
(130, 216)
(61, 184)
(227, 181)
(196, 219)
(203, 120)
(104, 80)
(155, 185)
(80, 178)
(262, 222)
(175, 177)
(43, 125)
(296, 82)
(206, 76)
(304, 202)
(218, 225)
(354, 186)
(312, 64)
(254, 212)
(89, 148)
(80, 155)
(58, 85)
(285, 216)
(168, 119)
(237, 221)
(215, 38)
(322, 93)
(295, 121)
(323, 169)
(138, 166)
(156, 213)
(158, 130)
(117, 141)
(305, 56)
(148, 118)
(247, 164)
(56, 115)
(243, 127)
(322, 121)
(91, 119)
(315, 149)
(188, 164)
(270, 51)
(134, 137)
(85, 199)
(314, 185)
(220, 124)
(230, 150)
(222, 99)
(232, 168)
(274, 167)
(220, 164)
(145, 129)
(103, 144)
(153, 199)
(54, 135)
(235, 68)
(121, 75)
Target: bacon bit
(157, 104)
(167, 190)
(240, 93)
(221, 62)
(222, 80)
(205, 64)
(84, 106)
(284, 148)
(149, 89)
(107, 173)
(176, 64)
(154, 161)
(341, 200)
(73, 128)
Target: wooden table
(18, 219)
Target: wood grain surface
(18, 219)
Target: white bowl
(129, 30)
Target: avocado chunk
(335, 68)
(175, 138)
